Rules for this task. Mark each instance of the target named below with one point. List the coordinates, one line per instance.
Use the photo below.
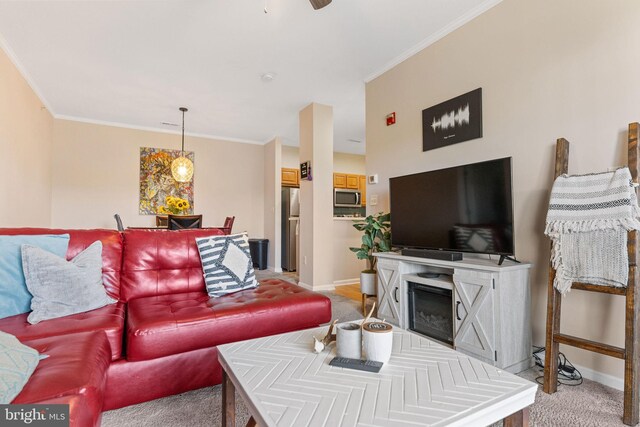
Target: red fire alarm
(391, 119)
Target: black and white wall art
(456, 120)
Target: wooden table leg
(251, 422)
(518, 419)
(228, 401)
(364, 304)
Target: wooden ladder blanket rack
(631, 351)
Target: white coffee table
(283, 383)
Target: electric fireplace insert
(431, 311)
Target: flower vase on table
(174, 206)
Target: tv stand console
(490, 303)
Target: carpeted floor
(588, 405)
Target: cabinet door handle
(458, 310)
(395, 294)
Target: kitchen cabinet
(363, 188)
(347, 180)
(290, 177)
(353, 181)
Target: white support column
(272, 202)
(316, 198)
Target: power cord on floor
(567, 373)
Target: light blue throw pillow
(17, 363)
(14, 295)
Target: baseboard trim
(606, 379)
(346, 282)
(273, 269)
(305, 285)
(328, 287)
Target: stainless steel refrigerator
(290, 209)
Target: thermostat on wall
(373, 179)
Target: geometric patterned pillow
(226, 264)
(17, 363)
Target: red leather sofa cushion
(175, 323)
(109, 319)
(129, 383)
(159, 262)
(79, 241)
(76, 365)
(80, 413)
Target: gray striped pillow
(226, 264)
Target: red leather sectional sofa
(160, 338)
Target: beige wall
(349, 163)
(96, 174)
(290, 157)
(26, 131)
(346, 266)
(272, 202)
(548, 69)
(342, 162)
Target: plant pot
(368, 283)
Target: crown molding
(473, 13)
(25, 75)
(153, 129)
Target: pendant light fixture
(319, 4)
(182, 168)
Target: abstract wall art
(156, 181)
(456, 120)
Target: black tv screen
(464, 209)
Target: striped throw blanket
(588, 219)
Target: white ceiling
(133, 63)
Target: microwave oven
(347, 198)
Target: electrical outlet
(305, 260)
(373, 200)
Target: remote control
(360, 365)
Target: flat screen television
(466, 208)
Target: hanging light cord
(183, 109)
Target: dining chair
(119, 222)
(162, 221)
(228, 224)
(178, 222)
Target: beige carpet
(590, 404)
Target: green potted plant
(376, 237)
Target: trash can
(259, 249)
